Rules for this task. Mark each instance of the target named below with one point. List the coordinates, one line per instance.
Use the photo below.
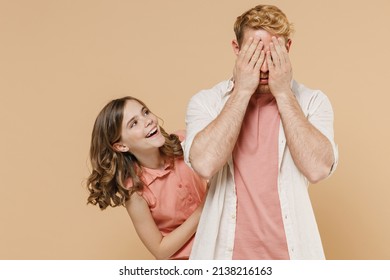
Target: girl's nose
(148, 122)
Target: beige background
(61, 61)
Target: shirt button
(285, 217)
(233, 216)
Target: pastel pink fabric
(259, 230)
(172, 195)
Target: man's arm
(213, 145)
(311, 151)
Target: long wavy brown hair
(111, 168)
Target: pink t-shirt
(172, 195)
(259, 229)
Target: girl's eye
(133, 124)
(147, 112)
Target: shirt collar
(149, 175)
(229, 87)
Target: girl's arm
(161, 247)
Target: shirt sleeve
(321, 115)
(200, 113)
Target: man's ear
(235, 46)
(288, 45)
(119, 147)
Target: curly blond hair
(267, 17)
(110, 168)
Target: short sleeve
(146, 193)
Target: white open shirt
(215, 234)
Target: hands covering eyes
(275, 61)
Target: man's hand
(279, 66)
(246, 71)
(212, 146)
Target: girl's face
(140, 130)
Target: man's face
(266, 37)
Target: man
(260, 138)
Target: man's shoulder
(217, 91)
(302, 91)
(311, 100)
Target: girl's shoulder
(181, 133)
(145, 192)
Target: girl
(135, 163)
